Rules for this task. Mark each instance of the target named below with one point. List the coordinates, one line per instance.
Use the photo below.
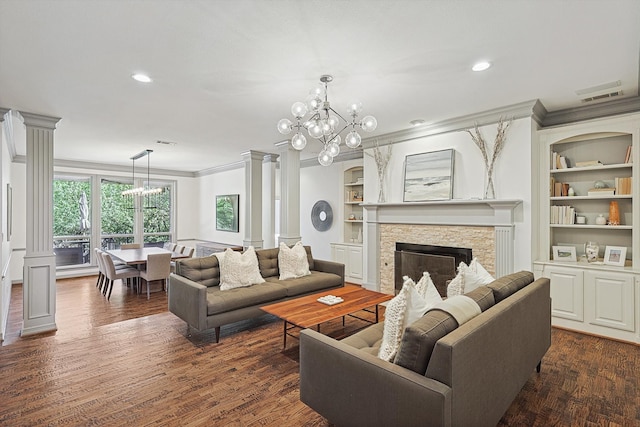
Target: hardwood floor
(127, 361)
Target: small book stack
(601, 192)
(558, 161)
(562, 215)
(588, 164)
(624, 185)
(558, 189)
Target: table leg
(376, 313)
(285, 335)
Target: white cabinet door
(609, 300)
(355, 262)
(339, 254)
(567, 292)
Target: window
(81, 223)
(117, 214)
(157, 216)
(72, 220)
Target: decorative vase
(601, 220)
(489, 189)
(591, 251)
(614, 213)
(382, 196)
(359, 235)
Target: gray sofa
(443, 374)
(196, 298)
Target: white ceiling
(225, 72)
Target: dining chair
(114, 274)
(101, 276)
(167, 245)
(131, 246)
(173, 247)
(158, 268)
(179, 249)
(188, 251)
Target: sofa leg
(218, 334)
(539, 366)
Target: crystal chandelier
(325, 124)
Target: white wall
(228, 182)
(513, 174)
(321, 183)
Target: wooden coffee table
(306, 312)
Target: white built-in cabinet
(592, 297)
(349, 251)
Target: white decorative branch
(491, 157)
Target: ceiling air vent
(600, 92)
(166, 142)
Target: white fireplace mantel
(499, 214)
(445, 212)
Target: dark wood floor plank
(128, 361)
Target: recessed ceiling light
(481, 66)
(143, 78)
(416, 122)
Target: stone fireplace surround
(487, 226)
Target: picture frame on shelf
(615, 255)
(429, 176)
(564, 253)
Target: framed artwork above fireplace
(429, 176)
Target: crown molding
(74, 164)
(3, 111)
(532, 109)
(342, 157)
(593, 111)
(219, 169)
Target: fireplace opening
(441, 262)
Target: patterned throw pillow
(469, 277)
(293, 262)
(405, 308)
(238, 270)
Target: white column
(39, 272)
(253, 199)
(371, 249)
(289, 193)
(269, 200)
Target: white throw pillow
(404, 309)
(469, 277)
(427, 289)
(293, 262)
(239, 270)
(456, 285)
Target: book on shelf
(624, 185)
(588, 163)
(601, 191)
(628, 157)
(559, 189)
(559, 162)
(562, 215)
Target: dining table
(138, 257)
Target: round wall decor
(321, 215)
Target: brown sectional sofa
(196, 298)
(443, 374)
